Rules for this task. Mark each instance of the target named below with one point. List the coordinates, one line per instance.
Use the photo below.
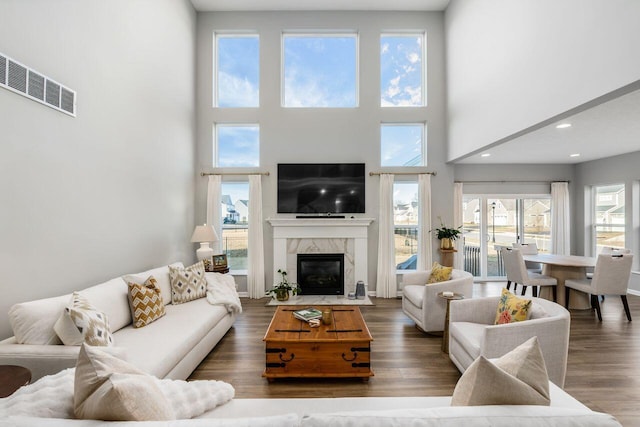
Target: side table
(445, 333)
(12, 378)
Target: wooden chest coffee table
(295, 350)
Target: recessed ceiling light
(574, 155)
(563, 126)
(485, 155)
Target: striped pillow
(145, 302)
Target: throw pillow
(511, 308)
(107, 388)
(145, 302)
(187, 283)
(81, 322)
(439, 273)
(517, 378)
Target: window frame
(215, 60)
(423, 75)
(316, 34)
(216, 147)
(423, 154)
(223, 226)
(415, 227)
(596, 225)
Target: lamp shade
(204, 233)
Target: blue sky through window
(402, 145)
(238, 146)
(320, 71)
(401, 70)
(238, 59)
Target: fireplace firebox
(321, 274)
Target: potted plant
(281, 289)
(447, 235)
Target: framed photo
(219, 262)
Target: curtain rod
(510, 182)
(234, 173)
(402, 173)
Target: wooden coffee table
(12, 378)
(296, 350)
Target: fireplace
(321, 274)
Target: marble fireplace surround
(292, 236)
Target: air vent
(3, 70)
(23, 80)
(17, 77)
(36, 85)
(53, 94)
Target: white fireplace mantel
(321, 228)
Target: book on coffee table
(307, 314)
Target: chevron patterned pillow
(145, 302)
(187, 283)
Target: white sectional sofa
(564, 411)
(171, 347)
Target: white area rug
(321, 300)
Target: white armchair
(421, 303)
(472, 333)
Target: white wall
(514, 64)
(324, 135)
(111, 191)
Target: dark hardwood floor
(603, 370)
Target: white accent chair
(610, 277)
(608, 250)
(517, 273)
(420, 301)
(472, 333)
(529, 249)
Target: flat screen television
(321, 188)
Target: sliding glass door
(493, 222)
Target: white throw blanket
(52, 397)
(221, 290)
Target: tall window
(237, 60)
(402, 70)
(609, 216)
(320, 70)
(405, 220)
(235, 223)
(236, 146)
(402, 144)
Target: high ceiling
(603, 128)
(282, 5)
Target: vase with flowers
(283, 288)
(447, 235)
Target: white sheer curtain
(560, 219)
(255, 271)
(214, 202)
(458, 257)
(386, 279)
(424, 221)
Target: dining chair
(517, 273)
(529, 249)
(610, 277)
(608, 250)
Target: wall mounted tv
(321, 188)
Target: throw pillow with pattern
(439, 273)
(82, 322)
(145, 302)
(511, 308)
(187, 283)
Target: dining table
(563, 267)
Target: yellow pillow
(511, 308)
(439, 273)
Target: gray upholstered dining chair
(517, 273)
(608, 250)
(610, 277)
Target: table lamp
(204, 234)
